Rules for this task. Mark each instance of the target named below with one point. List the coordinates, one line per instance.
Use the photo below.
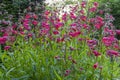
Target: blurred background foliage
(15, 8)
(115, 6)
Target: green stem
(112, 63)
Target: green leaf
(59, 78)
(21, 78)
(10, 71)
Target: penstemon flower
(113, 53)
(74, 34)
(96, 53)
(92, 43)
(95, 65)
(3, 39)
(6, 48)
(67, 72)
(118, 32)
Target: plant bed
(79, 45)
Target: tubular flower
(95, 4)
(34, 22)
(3, 39)
(83, 4)
(74, 34)
(118, 32)
(91, 43)
(95, 65)
(96, 53)
(67, 72)
(58, 25)
(55, 32)
(108, 41)
(72, 16)
(112, 53)
(6, 48)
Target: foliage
(115, 6)
(16, 7)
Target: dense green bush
(16, 7)
(115, 6)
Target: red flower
(108, 41)
(83, 4)
(98, 22)
(96, 53)
(14, 26)
(82, 11)
(64, 17)
(3, 39)
(98, 26)
(45, 25)
(34, 22)
(95, 4)
(81, 69)
(112, 53)
(6, 48)
(5, 34)
(92, 20)
(118, 32)
(91, 43)
(116, 46)
(85, 26)
(81, 39)
(26, 24)
(55, 32)
(47, 12)
(74, 34)
(57, 57)
(44, 31)
(14, 32)
(57, 19)
(60, 40)
(93, 9)
(30, 35)
(35, 16)
(72, 16)
(58, 25)
(99, 19)
(27, 16)
(73, 26)
(12, 39)
(95, 65)
(67, 72)
(83, 18)
(22, 33)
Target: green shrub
(16, 7)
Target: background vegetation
(15, 8)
